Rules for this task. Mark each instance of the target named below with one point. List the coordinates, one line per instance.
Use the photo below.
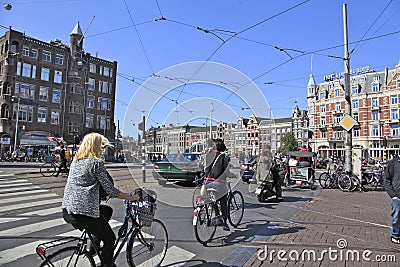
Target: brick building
(56, 89)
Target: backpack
(67, 155)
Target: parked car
(185, 167)
(247, 171)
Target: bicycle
(50, 167)
(329, 180)
(207, 213)
(374, 179)
(146, 240)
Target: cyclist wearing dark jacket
(392, 187)
(63, 161)
(217, 170)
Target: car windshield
(182, 157)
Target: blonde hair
(92, 146)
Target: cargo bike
(301, 175)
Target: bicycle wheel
(149, 246)
(47, 169)
(204, 230)
(324, 180)
(235, 208)
(69, 256)
(196, 193)
(345, 183)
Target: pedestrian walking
(392, 187)
(63, 162)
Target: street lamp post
(16, 123)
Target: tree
(288, 143)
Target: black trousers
(63, 164)
(98, 227)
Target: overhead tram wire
(140, 39)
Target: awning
(35, 139)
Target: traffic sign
(347, 122)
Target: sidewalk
(349, 222)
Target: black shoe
(225, 227)
(280, 199)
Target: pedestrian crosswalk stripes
(24, 198)
(19, 189)
(22, 232)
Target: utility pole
(144, 150)
(211, 111)
(348, 141)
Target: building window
(91, 84)
(323, 121)
(43, 93)
(45, 74)
(26, 70)
(25, 51)
(337, 92)
(375, 88)
(105, 87)
(394, 130)
(322, 96)
(92, 68)
(375, 115)
(376, 78)
(375, 130)
(56, 96)
(323, 108)
(75, 89)
(337, 106)
(89, 121)
(73, 127)
(55, 117)
(106, 72)
(354, 90)
(375, 102)
(19, 67)
(46, 56)
(394, 114)
(337, 119)
(398, 83)
(362, 80)
(74, 107)
(355, 103)
(24, 114)
(323, 134)
(355, 116)
(42, 114)
(101, 70)
(59, 59)
(356, 132)
(24, 90)
(90, 103)
(393, 100)
(58, 76)
(101, 122)
(34, 53)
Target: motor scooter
(264, 191)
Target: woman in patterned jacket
(81, 203)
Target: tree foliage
(288, 143)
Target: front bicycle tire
(345, 183)
(204, 230)
(149, 246)
(324, 180)
(235, 208)
(69, 256)
(47, 169)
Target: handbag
(203, 189)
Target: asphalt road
(29, 214)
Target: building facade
(374, 98)
(54, 89)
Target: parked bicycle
(373, 178)
(146, 240)
(208, 212)
(329, 180)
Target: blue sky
(203, 31)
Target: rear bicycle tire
(47, 169)
(139, 253)
(69, 256)
(235, 208)
(196, 193)
(204, 230)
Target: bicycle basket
(143, 212)
(146, 195)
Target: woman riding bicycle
(217, 170)
(81, 203)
